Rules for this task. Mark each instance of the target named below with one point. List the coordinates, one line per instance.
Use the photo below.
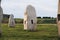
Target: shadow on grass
(32, 37)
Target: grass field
(44, 32)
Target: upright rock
(11, 21)
(30, 19)
(58, 19)
(1, 17)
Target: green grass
(44, 32)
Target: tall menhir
(30, 19)
(1, 17)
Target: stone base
(31, 30)
(12, 26)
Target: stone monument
(58, 18)
(11, 21)
(1, 17)
(30, 19)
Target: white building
(11, 21)
(30, 19)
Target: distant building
(6, 15)
(5, 18)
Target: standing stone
(11, 21)
(30, 19)
(1, 17)
(58, 19)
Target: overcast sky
(18, 7)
